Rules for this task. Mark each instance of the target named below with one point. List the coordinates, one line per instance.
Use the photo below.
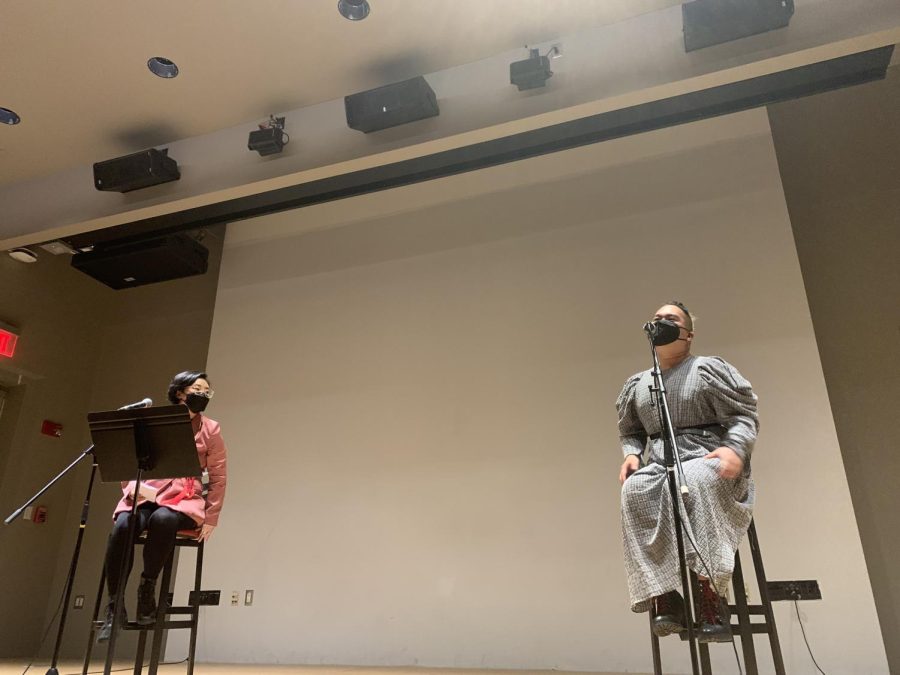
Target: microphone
(146, 403)
(662, 332)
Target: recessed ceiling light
(8, 116)
(22, 254)
(162, 67)
(355, 10)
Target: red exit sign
(8, 339)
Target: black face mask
(663, 332)
(196, 403)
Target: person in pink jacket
(166, 506)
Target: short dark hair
(182, 381)
(687, 313)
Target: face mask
(196, 403)
(664, 332)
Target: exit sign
(8, 339)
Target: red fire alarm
(9, 336)
(40, 515)
(49, 428)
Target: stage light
(162, 67)
(532, 72)
(355, 10)
(270, 138)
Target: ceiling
(77, 74)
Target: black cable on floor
(803, 630)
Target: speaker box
(391, 105)
(133, 172)
(148, 261)
(712, 22)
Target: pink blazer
(185, 494)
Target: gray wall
(60, 314)
(418, 405)
(839, 156)
(90, 348)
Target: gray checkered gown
(702, 390)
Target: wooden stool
(745, 628)
(184, 539)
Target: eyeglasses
(206, 394)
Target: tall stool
(184, 539)
(745, 628)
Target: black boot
(106, 629)
(146, 604)
(668, 614)
(715, 616)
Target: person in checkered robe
(713, 410)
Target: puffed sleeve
(733, 402)
(632, 435)
(216, 466)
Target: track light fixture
(534, 71)
(355, 10)
(270, 138)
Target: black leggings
(161, 524)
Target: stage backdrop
(417, 391)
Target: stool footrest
(181, 610)
(755, 628)
(759, 610)
(170, 625)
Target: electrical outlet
(79, 602)
(206, 598)
(235, 596)
(794, 590)
(248, 597)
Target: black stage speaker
(712, 22)
(136, 171)
(391, 105)
(137, 263)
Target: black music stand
(134, 445)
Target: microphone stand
(73, 566)
(672, 457)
